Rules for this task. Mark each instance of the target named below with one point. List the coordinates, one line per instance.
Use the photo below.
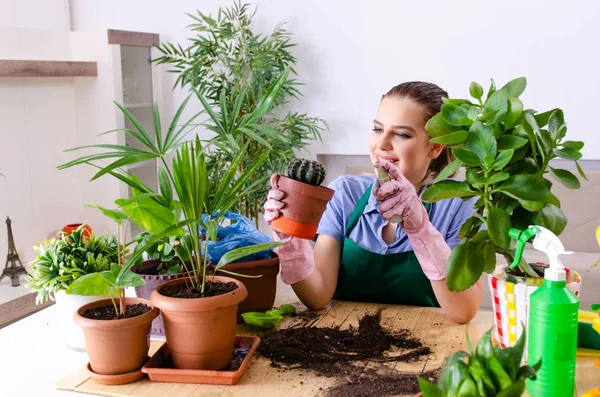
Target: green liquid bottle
(552, 334)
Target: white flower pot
(510, 301)
(66, 305)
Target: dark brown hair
(430, 97)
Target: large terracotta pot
(152, 282)
(200, 332)
(116, 346)
(261, 290)
(304, 206)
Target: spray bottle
(384, 177)
(552, 324)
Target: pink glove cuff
(430, 248)
(296, 259)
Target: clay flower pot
(200, 332)
(261, 290)
(116, 346)
(87, 230)
(304, 206)
(152, 282)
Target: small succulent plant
(307, 171)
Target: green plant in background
(232, 67)
(62, 261)
(489, 371)
(506, 151)
(166, 250)
(187, 190)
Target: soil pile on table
(333, 352)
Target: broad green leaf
(516, 87)
(551, 217)
(498, 103)
(580, 170)
(567, 153)
(116, 215)
(456, 101)
(507, 142)
(449, 170)
(464, 267)
(510, 357)
(149, 213)
(533, 206)
(481, 141)
(492, 88)
(238, 253)
(453, 138)
(489, 252)
(514, 390)
(447, 189)
(437, 126)
(556, 119)
(576, 145)
(466, 156)
(468, 226)
(543, 118)
(527, 372)
(479, 181)
(428, 389)
(455, 115)
(92, 284)
(515, 110)
(130, 279)
(476, 90)
(498, 374)
(453, 372)
(485, 348)
(503, 159)
(479, 237)
(565, 177)
(498, 222)
(528, 188)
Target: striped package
(510, 298)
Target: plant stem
(115, 306)
(486, 194)
(122, 306)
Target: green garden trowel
(270, 318)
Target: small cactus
(307, 171)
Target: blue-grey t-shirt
(446, 215)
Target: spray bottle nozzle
(522, 237)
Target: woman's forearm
(461, 307)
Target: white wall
(35, 14)
(350, 54)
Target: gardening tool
(553, 310)
(269, 319)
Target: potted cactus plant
(304, 201)
(507, 151)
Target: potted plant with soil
(487, 371)
(116, 329)
(506, 151)
(61, 261)
(199, 312)
(305, 200)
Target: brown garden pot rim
(119, 323)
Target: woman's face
(399, 137)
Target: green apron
(370, 277)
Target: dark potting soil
(333, 352)
(185, 291)
(108, 312)
(373, 384)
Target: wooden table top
(430, 325)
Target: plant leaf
(464, 266)
(238, 253)
(567, 153)
(476, 90)
(506, 142)
(498, 222)
(455, 115)
(503, 159)
(437, 126)
(565, 177)
(115, 215)
(449, 170)
(496, 104)
(129, 279)
(481, 141)
(155, 217)
(429, 389)
(92, 284)
(447, 189)
(466, 156)
(453, 138)
(516, 87)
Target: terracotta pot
(87, 229)
(152, 282)
(116, 346)
(262, 290)
(510, 301)
(200, 332)
(304, 206)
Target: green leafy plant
(232, 66)
(506, 151)
(186, 190)
(61, 261)
(165, 250)
(487, 372)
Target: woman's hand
(296, 258)
(398, 197)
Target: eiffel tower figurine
(12, 269)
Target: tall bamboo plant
(232, 66)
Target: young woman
(360, 254)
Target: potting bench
(44, 361)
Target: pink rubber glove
(399, 197)
(296, 258)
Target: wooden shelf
(138, 39)
(20, 68)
